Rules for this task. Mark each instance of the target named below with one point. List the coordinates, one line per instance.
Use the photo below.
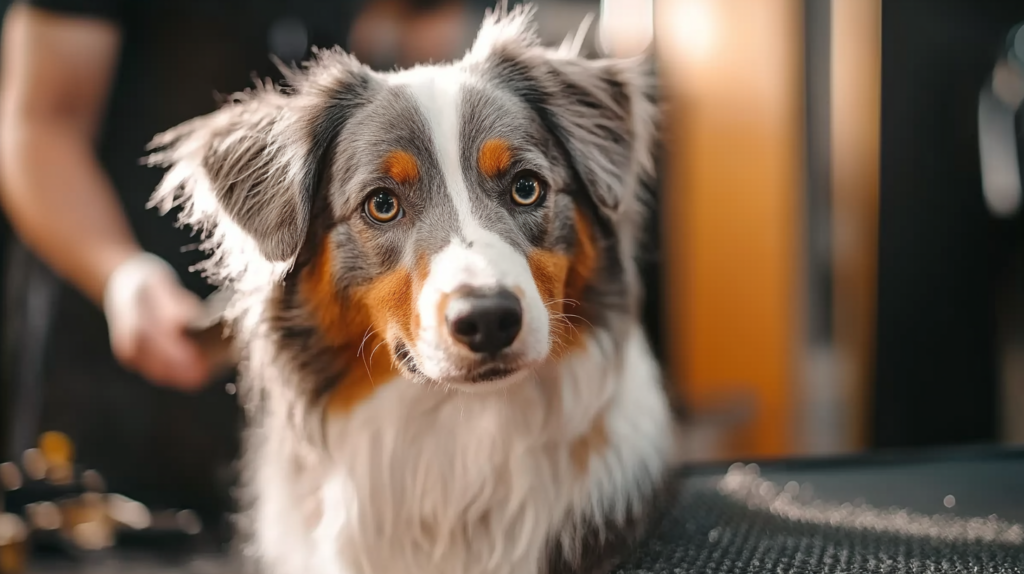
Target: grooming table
(955, 511)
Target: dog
(436, 294)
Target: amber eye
(382, 206)
(526, 190)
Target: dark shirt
(162, 447)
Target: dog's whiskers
(382, 341)
(566, 315)
(365, 337)
(555, 341)
(563, 319)
(360, 353)
(406, 361)
(572, 302)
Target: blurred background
(842, 178)
(836, 266)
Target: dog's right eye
(526, 190)
(382, 206)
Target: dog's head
(471, 218)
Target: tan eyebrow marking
(495, 157)
(401, 166)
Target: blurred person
(99, 288)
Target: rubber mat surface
(949, 513)
(821, 520)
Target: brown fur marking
(495, 157)
(345, 324)
(562, 279)
(337, 321)
(401, 166)
(549, 270)
(389, 299)
(584, 260)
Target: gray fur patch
(490, 112)
(391, 123)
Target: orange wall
(732, 71)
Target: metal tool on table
(13, 544)
(50, 503)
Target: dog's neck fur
(416, 480)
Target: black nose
(485, 321)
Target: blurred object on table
(13, 544)
(70, 513)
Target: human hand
(148, 312)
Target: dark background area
(942, 257)
(6, 394)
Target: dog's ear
(253, 164)
(228, 166)
(603, 111)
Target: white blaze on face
(477, 259)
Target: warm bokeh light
(692, 27)
(626, 27)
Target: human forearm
(61, 203)
(57, 72)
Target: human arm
(55, 77)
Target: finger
(190, 367)
(174, 308)
(174, 361)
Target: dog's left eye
(526, 190)
(382, 206)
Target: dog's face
(453, 225)
(470, 218)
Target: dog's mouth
(489, 372)
(493, 373)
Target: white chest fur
(431, 482)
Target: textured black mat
(748, 521)
(948, 513)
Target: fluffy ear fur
(246, 173)
(225, 165)
(603, 110)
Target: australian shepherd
(437, 299)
